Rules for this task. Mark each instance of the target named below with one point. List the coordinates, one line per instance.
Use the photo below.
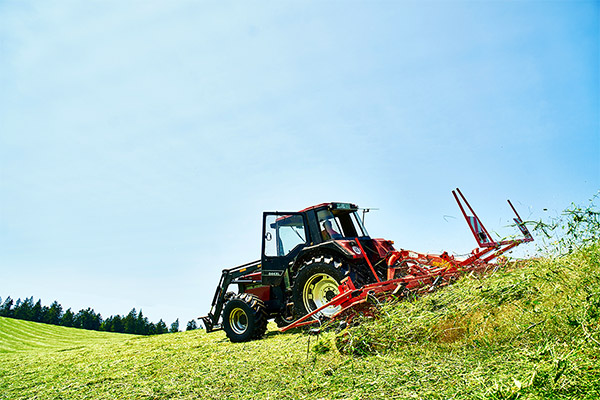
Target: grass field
(20, 336)
(528, 332)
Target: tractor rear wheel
(244, 318)
(316, 284)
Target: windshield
(338, 224)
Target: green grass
(528, 332)
(20, 336)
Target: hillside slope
(529, 331)
(19, 336)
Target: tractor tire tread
(318, 262)
(257, 312)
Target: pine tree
(44, 316)
(68, 319)
(191, 325)
(117, 324)
(129, 321)
(7, 308)
(161, 327)
(36, 311)
(88, 319)
(106, 325)
(151, 329)
(175, 326)
(142, 324)
(23, 309)
(53, 314)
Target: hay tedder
(320, 263)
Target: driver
(329, 232)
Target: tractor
(305, 256)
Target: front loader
(319, 262)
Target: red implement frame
(409, 271)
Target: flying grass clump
(574, 228)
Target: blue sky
(140, 141)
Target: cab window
(283, 233)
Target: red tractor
(320, 261)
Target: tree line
(134, 322)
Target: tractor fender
(316, 252)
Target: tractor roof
(331, 206)
(334, 206)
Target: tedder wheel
(244, 318)
(316, 283)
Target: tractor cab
(288, 235)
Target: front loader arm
(228, 277)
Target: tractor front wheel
(244, 318)
(315, 285)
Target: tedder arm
(488, 248)
(409, 271)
